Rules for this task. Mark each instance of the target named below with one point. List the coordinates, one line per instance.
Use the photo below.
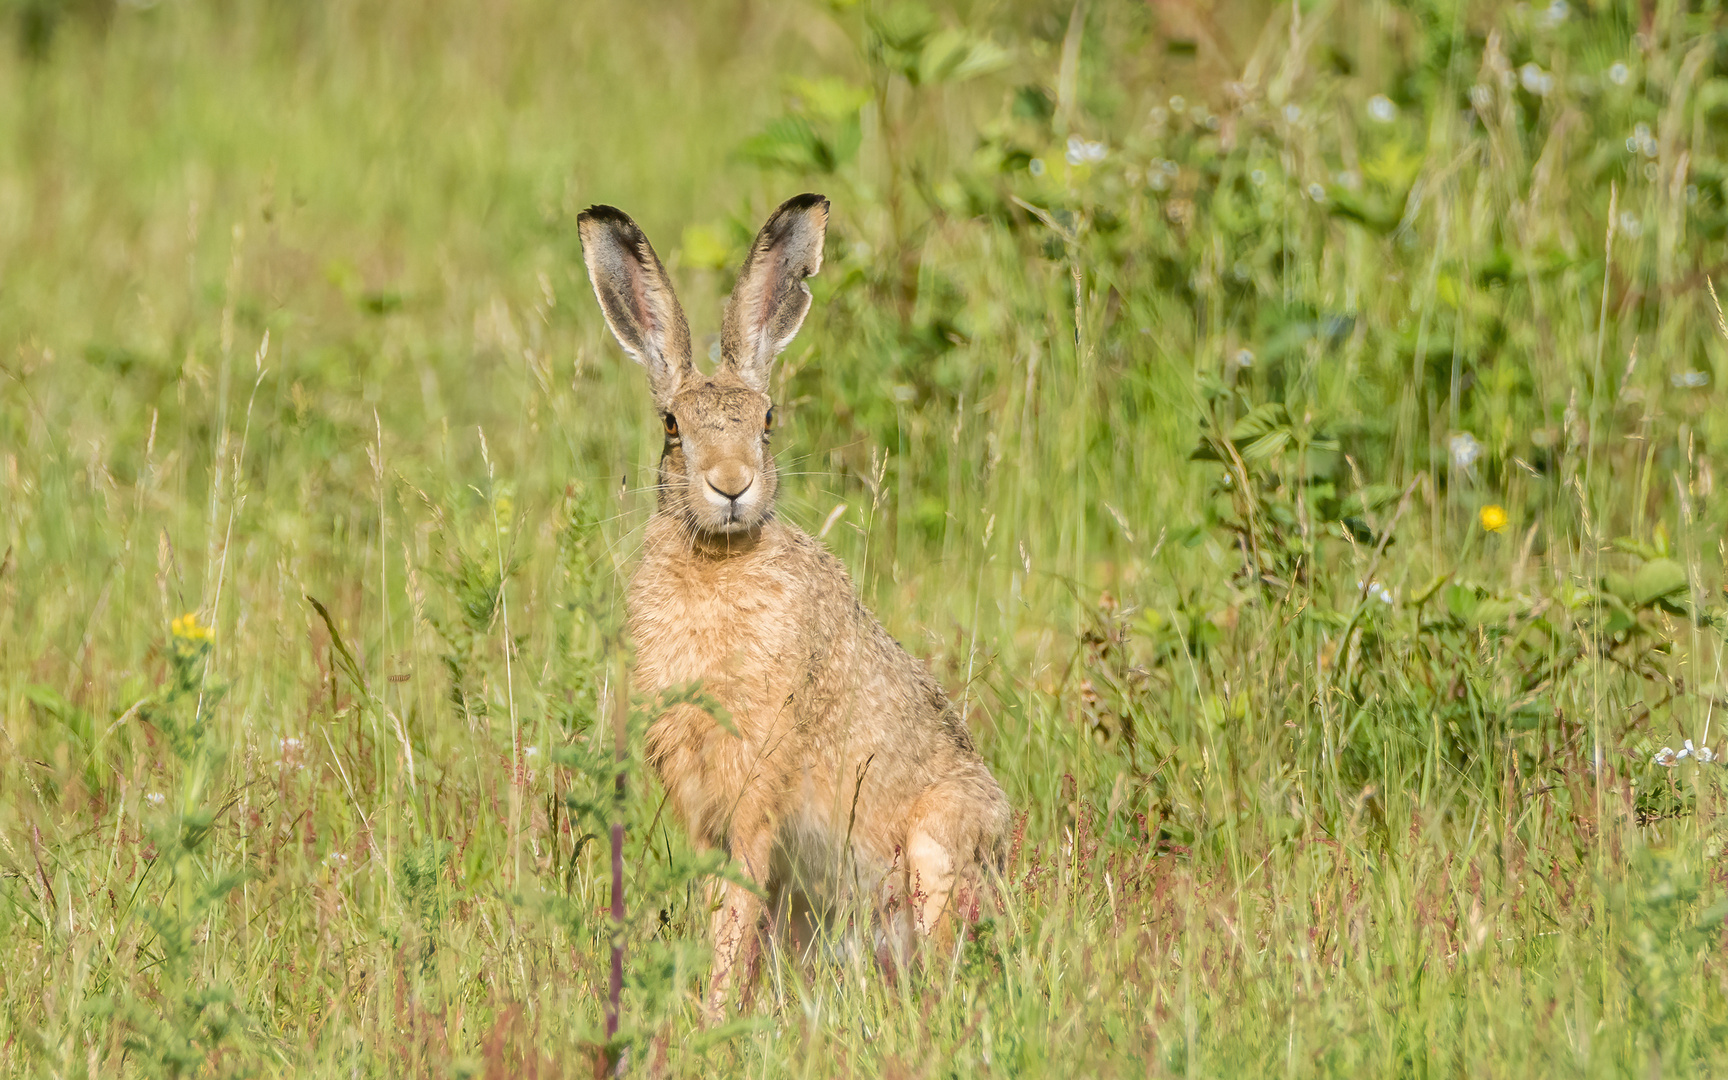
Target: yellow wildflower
(187, 628)
(1493, 518)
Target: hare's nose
(730, 480)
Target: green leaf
(1636, 547)
(1375, 213)
(1461, 601)
(905, 26)
(788, 142)
(1267, 446)
(848, 137)
(1619, 586)
(1712, 915)
(1372, 497)
(1491, 611)
(831, 98)
(1258, 421)
(1656, 580)
(1422, 595)
(952, 56)
(346, 662)
(1620, 617)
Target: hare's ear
(770, 300)
(636, 297)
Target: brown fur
(851, 776)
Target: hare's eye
(768, 421)
(671, 426)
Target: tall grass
(1289, 430)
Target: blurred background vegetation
(1289, 430)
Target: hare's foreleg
(737, 943)
(736, 926)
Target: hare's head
(716, 470)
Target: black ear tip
(805, 202)
(602, 212)
(610, 217)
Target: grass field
(1288, 430)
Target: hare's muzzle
(728, 487)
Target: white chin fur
(721, 521)
(718, 514)
(728, 528)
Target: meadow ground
(1288, 430)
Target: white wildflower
(1619, 73)
(1258, 176)
(1689, 379)
(1464, 450)
(1380, 107)
(1377, 591)
(1535, 80)
(155, 798)
(1668, 758)
(1630, 225)
(1085, 152)
(1316, 192)
(1556, 13)
(1641, 141)
(1292, 113)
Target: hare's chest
(731, 628)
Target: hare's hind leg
(930, 874)
(937, 838)
(947, 825)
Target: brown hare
(850, 776)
